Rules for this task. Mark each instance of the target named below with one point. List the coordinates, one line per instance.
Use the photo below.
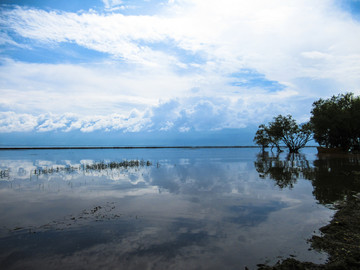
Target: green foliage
(262, 137)
(336, 122)
(284, 129)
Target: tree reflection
(284, 171)
(333, 177)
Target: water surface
(176, 208)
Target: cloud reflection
(197, 208)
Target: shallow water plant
(92, 167)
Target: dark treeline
(334, 124)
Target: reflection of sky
(190, 208)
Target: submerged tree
(284, 129)
(262, 137)
(335, 122)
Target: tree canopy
(336, 122)
(262, 137)
(283, 129)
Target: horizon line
(118, 147)
(127, 147)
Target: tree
(285, 129)
(262, 137)
(335, 122)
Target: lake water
(174, 209)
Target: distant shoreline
(123, 147)
(118, 147)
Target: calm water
(178, 208)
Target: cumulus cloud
(179, 115)
(196, 114)
(13, 122)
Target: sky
(177, 72)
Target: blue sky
(169, 69)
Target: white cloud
(185, 114)
(112, 3)
(96, 89)
(13, 122)
(316, 55)
(5, 39)
(267, 37)
(155, 62)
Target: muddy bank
(340, 239)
